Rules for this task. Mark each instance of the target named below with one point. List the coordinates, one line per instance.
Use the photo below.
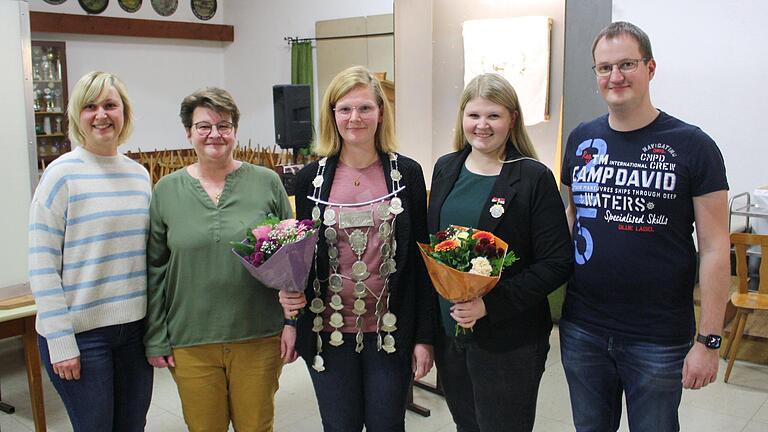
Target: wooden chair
(746, 301)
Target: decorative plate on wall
(130, 5)
(165, 7)
(204, 9)
(54, 2)
(94, 6)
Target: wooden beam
(97, 25)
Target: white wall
(260, 58)
(712, 72)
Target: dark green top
(198, 291)
(462, 207)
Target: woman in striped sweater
(88, 229)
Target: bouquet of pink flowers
(279, 253)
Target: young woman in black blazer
(493, 182)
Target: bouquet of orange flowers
(465, 263)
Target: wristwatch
(709, 341)
(292, 322)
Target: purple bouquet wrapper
(288, 268)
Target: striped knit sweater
(88, 229)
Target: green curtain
(302, 70)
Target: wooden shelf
(111, 26)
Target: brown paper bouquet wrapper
(456, 286)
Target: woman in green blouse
(219, 330)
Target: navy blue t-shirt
(634, 250)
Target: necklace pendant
(357, 182)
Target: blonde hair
(498, 90)
(93, 88)
(329, 142)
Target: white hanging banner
(518, 49)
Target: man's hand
(68, 369)
(288, 344)
(162, 361)
(421, 361)
(466, 314)
(292, 303)
(700, 367)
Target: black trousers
(490, 391)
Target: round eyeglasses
(625, 66)
(204, 128)
(364, 110)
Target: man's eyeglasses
(204, 128)
(625, 66)
(364, 110)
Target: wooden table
(21, 322)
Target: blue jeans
(600, 367)
(490, 391)
(368, 388)
(115, 385)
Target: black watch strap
(709, 341)
(290, 322)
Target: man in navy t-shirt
(637, 179)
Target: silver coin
(333, 252)
(317, 181)
(389, 319)
(385, 250)
(389, 340)
(384, 270)
(392, 265)
(395, 174)
(385, 229)
(315, 213)
(359, 289)
(317, 306)
(396, 206)
(329, 216)
(336, 338)
(359, 305)
(317, 328)
(336, 320)
(334, 281)
(318, 321)
(359, 268)
(336, 302)
(317, 364)
(383, 211)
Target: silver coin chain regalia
(356, 225)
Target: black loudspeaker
(293, 122)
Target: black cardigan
(535, 227)
(412, 298)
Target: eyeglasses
(204, 128)
(365, 110)
(625, 66)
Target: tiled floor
(741, 406)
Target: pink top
(371, 185)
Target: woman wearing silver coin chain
(370, 324)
